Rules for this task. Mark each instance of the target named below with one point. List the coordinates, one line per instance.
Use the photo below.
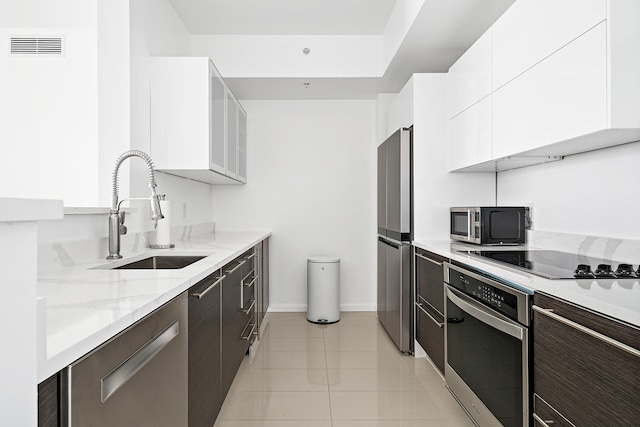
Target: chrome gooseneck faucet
(116, 218)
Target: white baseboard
(296, 308)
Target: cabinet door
(48, 407)
(242, 145)
(531, 30)
(205, 351)
(232, 136)
(469, 79)
(470, 136)
(562, 97)
(217, 121)
(588, 380)
(234, 322)
(264, 293)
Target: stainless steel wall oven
(487, 347)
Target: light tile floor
(349, 374)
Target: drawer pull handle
(127, 369)
(429, 259)
(440, 325)
(251, 283)
(541, 421)
(248, 310)
(248, 337)
(425, 302)
(201, 295)
(236, 267)
(251, 256)
(583, 329)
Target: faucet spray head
(156, 211)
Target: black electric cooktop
(559, 265)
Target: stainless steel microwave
(489, 225)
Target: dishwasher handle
(127, 369)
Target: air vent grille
(36, 45)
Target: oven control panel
(496, 298)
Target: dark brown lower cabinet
(429, 308)
(48, 402)
(205, 344)
(430, 332)
(234, 324)
(586, 367)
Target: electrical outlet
(184, 210)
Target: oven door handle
(484, 315)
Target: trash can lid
(323, 259)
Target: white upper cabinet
(232, 136)
(194, 121)
(564, 81)
(217, 93)
(531, 30)
(469, 136)
(562, 97)
(242, 144)
(469, 79)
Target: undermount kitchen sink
(158, 262)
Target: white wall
(311, 181)
(593, 194)
(49, 105)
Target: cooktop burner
(558, 265)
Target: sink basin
(161, 262)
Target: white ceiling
(285, 17)
(442, 31)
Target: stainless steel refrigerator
(395, 232)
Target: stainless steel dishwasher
(137, 378)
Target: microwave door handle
(470, 235)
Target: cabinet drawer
(430, 332)
(430, 278)
(586, 377)
(545, 415)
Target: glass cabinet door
(242, 145)
(232, 136)
(217, 146)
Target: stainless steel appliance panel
(487, 352)
(138, 378)
(398, 172)
(394, 291)
(382, 189)
(382, 282)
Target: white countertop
(619, 299)
(85, 306)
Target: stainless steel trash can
(323, 290)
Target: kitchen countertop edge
(159, 287)
(617, 299)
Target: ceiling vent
(36, 46)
